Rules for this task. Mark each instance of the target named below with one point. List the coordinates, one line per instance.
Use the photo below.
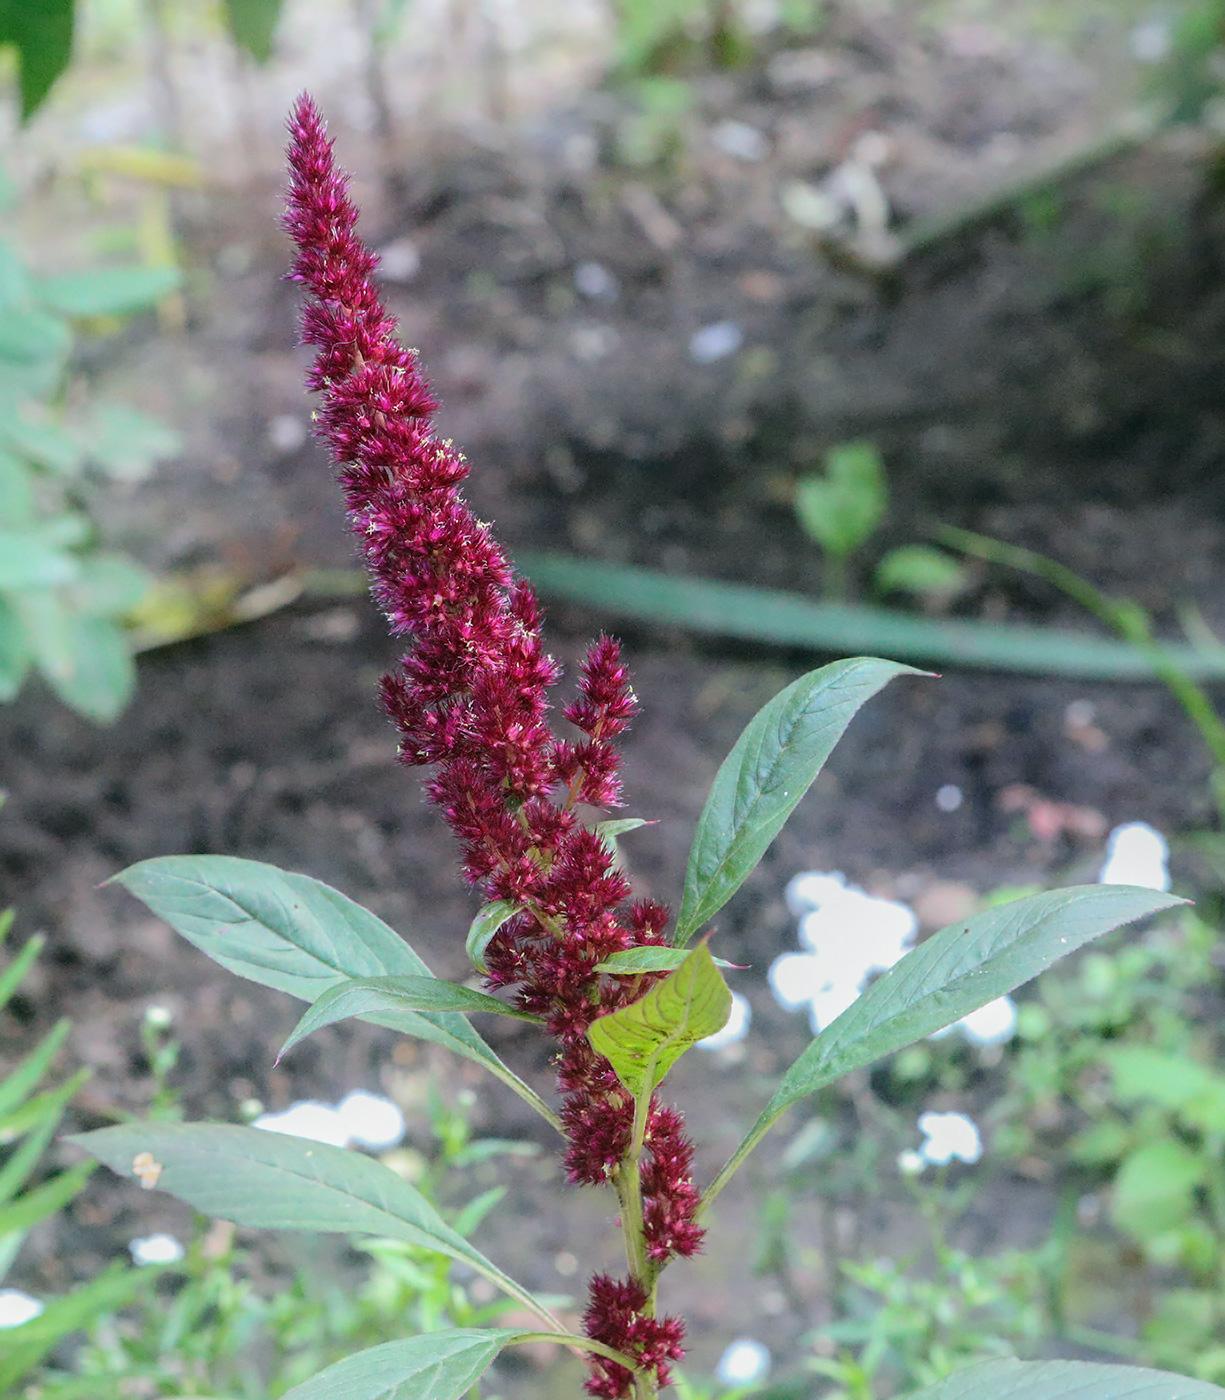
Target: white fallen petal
(743, 1363)
(993, 1024)
(17, 1308)
(156, 1249)
(735, 1030)
(371, 1120)
(319, 1122)
(810, 889)
(949, 1136)
(1136, 854)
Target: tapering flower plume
(470, 698)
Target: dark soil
(1057, 388)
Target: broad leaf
(434, 1366)
(1065, 1380)
(365, 996)
(954, 972)
(29, 562)
(14, 652)
(274, 1182)
(253, 24)
(102, 677)
(114, 291)
(300, 936)
(650, 959)
(644, 1040)
(772, 766)
(127, 445)
(1154, 1189)
(41, 32)
(30, 337)
(45, 443)
(489, 919)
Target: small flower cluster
(471, 698)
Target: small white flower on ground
(371, 1120)
(715, 342)
(319, 1122)
(993, 1024)
(286, 433)
(594, 280)
(949, 797)
(812, 888)
(736, 1028)
(741, 141)
(1136, 854)
(949, 1136)
(17, 1308)
(743, 1363)
(156, 1249)
(851, 934)
(910, 1162)
(159, 1017)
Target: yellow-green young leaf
(368, 996)
(489, 919)
(643, 1041)
(1065, 1380)
(434, 1366)
(773, 764)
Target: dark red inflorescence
(470, 698)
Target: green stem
(575, 1342)
(1128, 619)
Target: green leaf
(954, 972)
(113, 291)
(27, 1345)
(86, 660)
(41, 32)
(46, 444)
(772, 766)
(110, 585)
(918, 568)
(14, 280)
(841, 509)
(1064, 1380)
(15, 654)
(368, 995)
(16, 490)
(434, 1366)
(489, 919)
(1154, 1188)
(22, 1162)
(13, 975)
(30, 336)
(28, 562)
(127, 445)
(43, 1201)
(253, 25)
(274, 1182)
(300, 936)
(632, 960)
(29, 1073)
(609, 831)
(644, 1040)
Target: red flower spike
(470, 698)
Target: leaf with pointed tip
(489, 919)
(300, 936)
(649, 959)
(1065, 1380)
(609, 831)
(952, 973)
(271, 1181)
(433, 1366)
(773, 764)
(367, 996)
(644, 1040)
